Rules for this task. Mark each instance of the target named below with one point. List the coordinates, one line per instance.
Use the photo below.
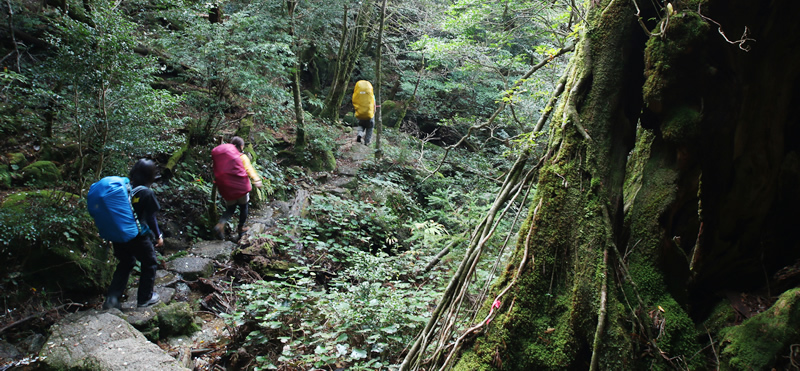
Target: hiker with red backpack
(110, 203)
(232, 174)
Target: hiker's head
(143, 172)
(238, 142)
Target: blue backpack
(109, 203)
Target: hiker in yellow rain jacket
(364, 105)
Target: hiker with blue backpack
(232, 175)
(125, 213)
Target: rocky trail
(185, 331)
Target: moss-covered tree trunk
(639, 243)
(549, 319)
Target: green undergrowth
(357, 292)
(46, 234)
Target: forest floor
(209, 346)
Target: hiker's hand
(258, 184)
(160, 242)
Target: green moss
(681, 125)
(176, 156)
(664, 55)
(16, 160)
(322, 160)
(723, 315)
(176, 319)
(678, 334)
(5, 178)
(41, 174)
(392, 113)
(350, 119)
(761, 340)
(245, 127)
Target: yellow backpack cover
(364, 100)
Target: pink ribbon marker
(495, 305)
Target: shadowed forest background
(607, 184)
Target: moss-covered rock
(245, 127)
(16, 160)
(322, 160)
(5, 178)
(270, 268)
(146, 321)
(50, 239)
(392, 113)
(41, 173)
(760, 341)
(176, 319)
(350, 119)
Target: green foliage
(104, 87)
(364, 319)
(248, 54)
(342, 225)
(189, 211)
(48, 234)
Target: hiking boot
(219, 230)
(358, 139)
(153, 301)
(112, 302)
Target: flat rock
(192, 267)
(93, 340)
(166, 278)
(140, 318)
(217, 250)
(165, 294)
(347, 171)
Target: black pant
(141, 249)
(229, 210)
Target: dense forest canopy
(604, 184)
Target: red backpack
(229, 173)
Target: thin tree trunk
(300, 139)
(378, 82)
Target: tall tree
(634, 233)
(378, 82)
(351, 45)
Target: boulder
(192, 267)
(93, 340)
(41, 173)
(176, 319)
(217, 250)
